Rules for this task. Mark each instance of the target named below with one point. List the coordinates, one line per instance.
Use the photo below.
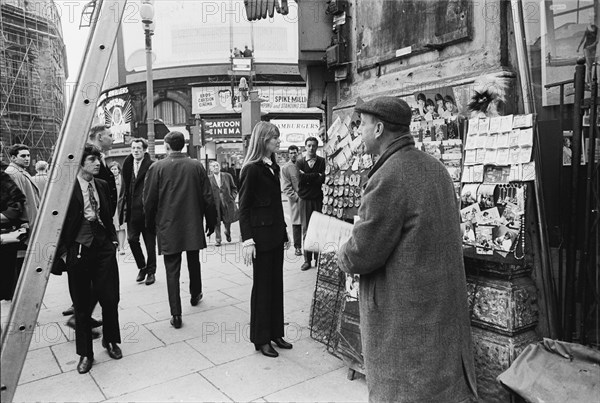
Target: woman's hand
(249, 253)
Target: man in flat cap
(406, 246)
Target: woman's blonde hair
(262, 133)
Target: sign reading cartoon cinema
(115, 110)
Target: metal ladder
(17, 334)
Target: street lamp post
(147, 14)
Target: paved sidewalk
(210, 359)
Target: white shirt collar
(267, 161)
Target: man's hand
(209, 230)
(286, 245)
(248, 253)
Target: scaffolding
(32, 76)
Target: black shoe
(267, 349)
(150, 279)
(196, 299)
(85, 364)
(96, 334)
(69, 311)
(176, 321)
(305, 266)
(298, 252)
(95, 322)
(141, 275)
(71, 322)
(228, 237)
(113, 350)
(282, 343)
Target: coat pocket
(261, 218)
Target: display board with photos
(498, 155)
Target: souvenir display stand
(491, 163)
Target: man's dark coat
(132, 210)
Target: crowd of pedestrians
(409, 258)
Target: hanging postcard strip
(491, 140)
(525, 154)
(515, 173)
(513, 155)
(467, 174)
(480, 157)
(528, 171)
(506, 123)
(484, 125)
(513, 138)
(502, 156)
(470, 157)
(526, 137)
(473, 126)
(502, 139)
(495, 124)
(490, 156)
(478, 173)
(520, 121)
(471, 142)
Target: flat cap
(389, 109)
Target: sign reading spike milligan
(216, 100)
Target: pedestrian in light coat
(290, 177)
(414, 317)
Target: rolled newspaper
(326, 234)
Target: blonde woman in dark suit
(265, 237)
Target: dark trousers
(133, 237)
(307, 206)
(297, 234)
(95, 269)
(227, 231)
(173, 269)
(266, 302)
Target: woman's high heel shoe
(282, 343)
(267, 349)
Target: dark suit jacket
(261, 210)
(224, 197)
(132, 210)
(309, 185)
(74, 219)
(109, 178)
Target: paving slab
(69, 386)
(39, 364)
(139, 371)
(189, 388)
(331, 387)
(256, 376)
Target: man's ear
(379, 129)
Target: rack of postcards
(497, 165)
(334, 314)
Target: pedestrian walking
(87, 246)
(224, 193)
(312, 175)
(115, 168)
(289, 184)
(264, 235)
(414, 318)
(177, 197)
(135, 167)
(17, 169)
(41, 177)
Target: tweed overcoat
(407, 249)
(26, 184)
(177, 197)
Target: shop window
(171, 113)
